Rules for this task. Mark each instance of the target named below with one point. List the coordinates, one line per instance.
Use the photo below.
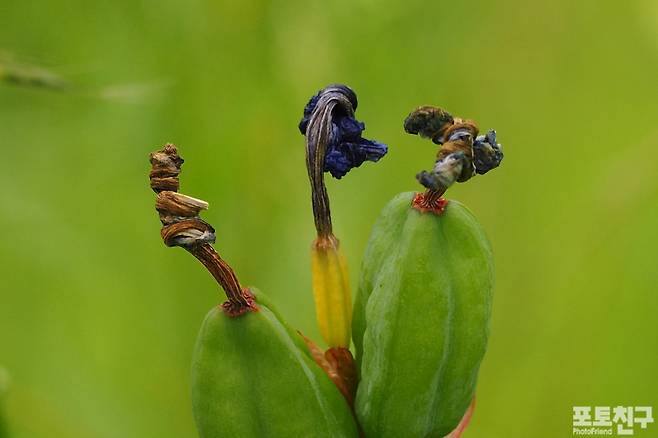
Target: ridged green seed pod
(252, 376)
(421, 319)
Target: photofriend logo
(607, 420)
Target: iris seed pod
(421, 319)
(422, 311)
(252, 376)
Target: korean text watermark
(610, 420)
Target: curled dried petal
(487, 153)
(346, 148)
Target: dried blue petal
(308, 110)
(347, 155)
(372, 150)
(337, 164)
(350, 128)
(313, 101)
(346, 148)
(487, 153)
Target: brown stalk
(318, 133)
(182, 226)
(430, 201)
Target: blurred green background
(98, 318)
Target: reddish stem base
(235, 309)
(429, 202)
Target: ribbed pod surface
(252, 377)
(421, 319)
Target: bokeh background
(98, 318)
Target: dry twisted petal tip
(429, 122)
(188, 233)
(318, 135)
(172, 206)
(179, 213)
(165, 167)
(183, 227)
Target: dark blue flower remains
(347, 149)
(487, 153)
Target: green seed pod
(252, 377)
(421, 318)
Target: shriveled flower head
(346, 148)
